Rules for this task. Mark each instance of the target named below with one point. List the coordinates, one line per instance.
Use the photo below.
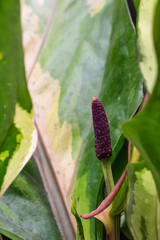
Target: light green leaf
(80, 233)
(119, 201)
(24, 209)
(145, 43)
(120, 98)
(78, 59)
(143, 207)
(18, 136)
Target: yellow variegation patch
(145, 210)
(57, 137)
(4, 155)
(147, 55)
(95, 6)
(26, 144)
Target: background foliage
(74, 50)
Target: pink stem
(108, 200)
(144, 102)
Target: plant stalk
(107, 172)
(109, 182)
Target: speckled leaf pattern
(24, 209)
(72, 68)
(145, 44)
(143, 207)
(18, 136)
(66, 76)
(35, 19)
(88, 50)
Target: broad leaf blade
(143, 207)
(24, 209)
(143, 130)
(64, 80)
(8, 86)
(35, 19)
(69, 71)
(19, 140)
(120, 98)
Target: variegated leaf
(146, 51)
(24, 209)
(143, 130)
(18, 135)
(77, 58)
(143, 206)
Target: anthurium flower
(103, 147)
(108, 200)
(107, 220)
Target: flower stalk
(103, 152)
(107, 172)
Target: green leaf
(143, 207)
(143, 130)
(69, 69)
(120, 162)
(120, 98)
(80, 234)
(8, 67)
(119, 201)
(18, 136)
(136, 3)
(145, 43)
(140, 132)
(24, 209)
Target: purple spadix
(103, 147)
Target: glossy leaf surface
(18, 136)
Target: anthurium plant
(79, 119)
